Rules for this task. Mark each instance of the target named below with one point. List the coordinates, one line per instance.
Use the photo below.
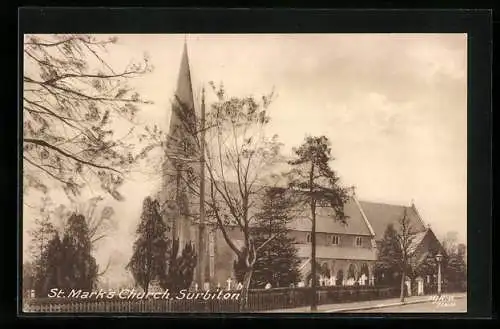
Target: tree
(455, 269)
(277, 262)
(28, 280)
(149, 260)
(179, 274)
(236, 154)
(449, 242)
(388, 254)
(99, 219)
(315, 184)
(49, 274)
(73, 102)
(396, 251)
(40, 236)
(79, 267)
(405, 237)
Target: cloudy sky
(393, 105)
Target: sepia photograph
(244, 173)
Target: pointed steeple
(181, 150)
(183, 98)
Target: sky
(394, 107)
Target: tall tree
(237, 156)
(49, 274)
(405, 237)
(73, 102)
(180, 271)
(28, 280)
(396, 252)
(149, 260)
(41, 236)
(315, 184)
(389, 252)
(99, 218)
(79, 268)
(277, 262)
(43, 232)
(455, 269)
(450, 242)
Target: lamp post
(439, 258)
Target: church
(345, 252)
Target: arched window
(340, 277)
(325, 270)
(351, 272)
(365, 270)
(308, 237)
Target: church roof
(363, 217)
(326, 223)
(380, 215)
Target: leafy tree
(180, 267)
(315, 184)
(73, 100)
(49, 274)
(99, 219)
(149, 260)
(79, 267)
(449, 242)
(41, 237)
(28, 280)
(396, 252)
(43, 232)
(455, 269)
(277, 261)
(388, 254)
(405, 237)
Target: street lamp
(439, 258)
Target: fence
(258, 300)
(281, 298)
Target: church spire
(180, 153)
(184, 100)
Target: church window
(359, 241)
(308, 237)
(335, 240)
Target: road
(457, 306)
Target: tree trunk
(402, 294)
(246, 287)
(245, 290)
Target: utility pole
(202, 242)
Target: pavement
(382, 304)
(456, 306)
